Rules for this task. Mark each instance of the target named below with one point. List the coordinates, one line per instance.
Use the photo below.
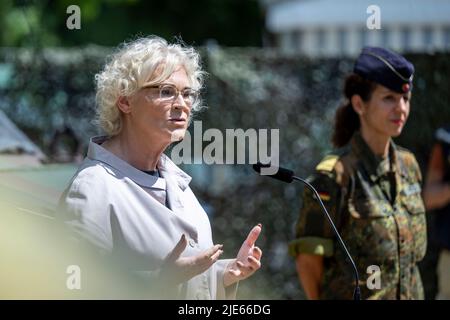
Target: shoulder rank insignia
(328, 163)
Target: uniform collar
(166, 167)
(375, 165)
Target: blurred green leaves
(109, 22)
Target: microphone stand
(357, 291)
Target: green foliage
(108, 22)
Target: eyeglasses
(168, 92)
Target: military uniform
(377, 207)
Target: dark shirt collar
(374, 164)
(154, 173)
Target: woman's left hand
(247, 261)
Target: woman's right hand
(179, 269)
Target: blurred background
(272, 64)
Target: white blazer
(112, 204)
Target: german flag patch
(324, 196)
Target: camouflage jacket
(378, 209)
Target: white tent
(291, 15)
(16, 149)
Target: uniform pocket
(413, 201)
(372, 232)
(369, 209)
(414, 205)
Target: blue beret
(386, 68)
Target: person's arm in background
(436, 193)
(310, 271)
(314, 236)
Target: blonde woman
(129, 199)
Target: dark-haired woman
(372, 190)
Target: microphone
(282, 174)
(288, 176)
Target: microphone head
(282, 174)
(257, 166)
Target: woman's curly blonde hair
(135, 63)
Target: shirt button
(192, 243)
